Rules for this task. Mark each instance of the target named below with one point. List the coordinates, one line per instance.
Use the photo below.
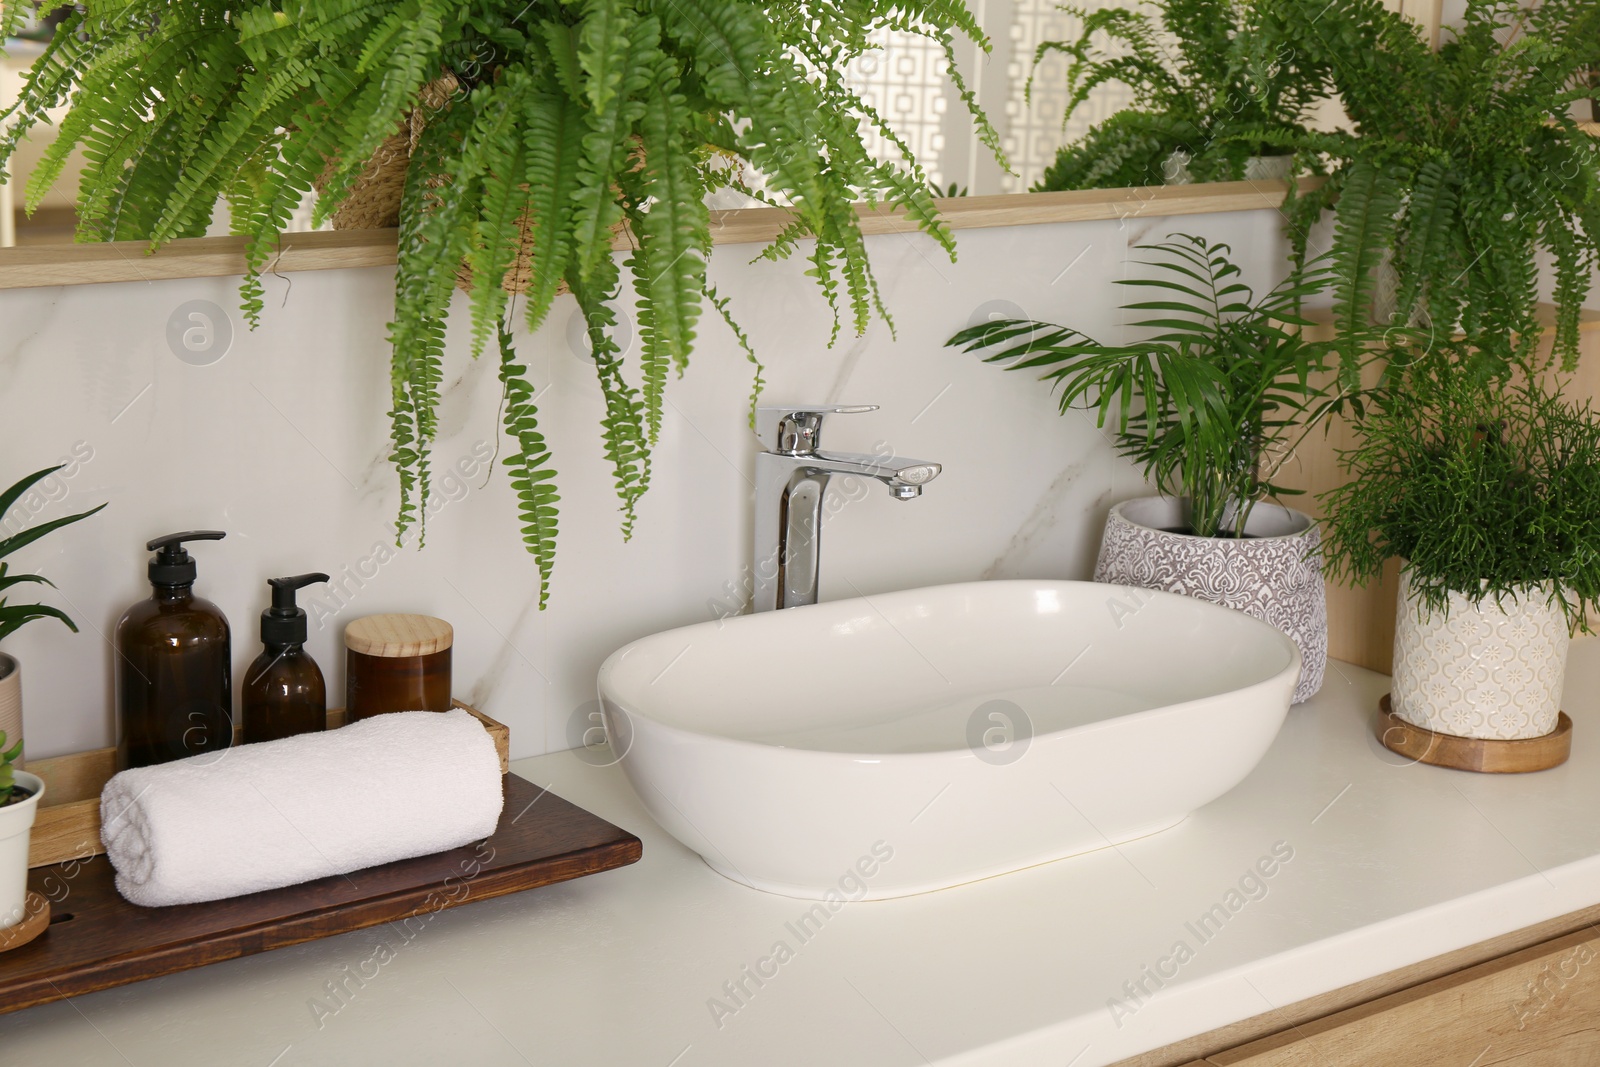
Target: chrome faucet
(791, 481)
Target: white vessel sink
(910, 741)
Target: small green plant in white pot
(1489, 491)
(20, 793)
(1210, 403)
(14, 616)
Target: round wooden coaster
(1473, 753)
(35, 921)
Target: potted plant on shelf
(532, 135)
(14, 616)
(1205, 92)
(1210, 405)
(1462, 169)
(1488, 490)
(20, 793)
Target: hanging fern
(1206, 81)
(1463, 164)
(540, 136)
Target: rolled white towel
(281, 812)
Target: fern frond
(1363, 231)
(441, 187)
(617, 54)
(622, 426)
(497, 237)
(669, 265)
(553, 129)
(532, 476)
(757, 382)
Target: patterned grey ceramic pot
(1274, 573)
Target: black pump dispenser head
(171, 564)
(284, 623)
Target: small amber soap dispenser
(174, 664)
(283, 692)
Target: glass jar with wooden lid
(397, 663)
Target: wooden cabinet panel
(1539, 1007)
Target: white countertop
(1392, 864)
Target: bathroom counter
(1335, 861)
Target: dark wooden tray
(97, 940)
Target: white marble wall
(282, 443)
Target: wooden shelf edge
(215, 257)
(31, 266)
(1588, 318)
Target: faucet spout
(792, 477)
(895, 473)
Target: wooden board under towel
(97, 940)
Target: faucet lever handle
(796, 431)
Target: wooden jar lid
(395, 636)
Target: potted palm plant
(1489, 491)
(1210, 404)
(1212, 101)
(533, 137)
(14, 616)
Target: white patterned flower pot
(16, 825)
(1490, 670)
(1274, 573)
(1175, 168)
(1268, 168)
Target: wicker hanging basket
(374, 200)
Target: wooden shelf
(212, 257)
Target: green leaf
(33, 533)
(14, 616)
(9, 498)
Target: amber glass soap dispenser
(283, 692)
(174, 680)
